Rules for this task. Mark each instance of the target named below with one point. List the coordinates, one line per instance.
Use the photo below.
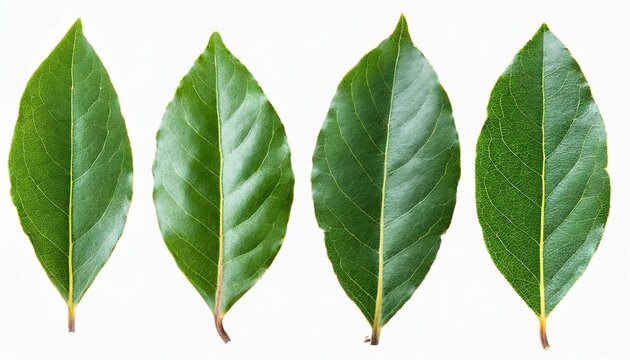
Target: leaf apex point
(401, 28)
(215, 39)
(78, 24)
(544, 27)
(402, 22)
(215, 36)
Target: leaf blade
(227, 146)
(359, 156)
(69, 139)
(555, 138)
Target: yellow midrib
(541, 246)
(379, 292)
(218, 293)
(70, 240)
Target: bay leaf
(385, 173)
(223, 179)
(541, 184)
(70, 166)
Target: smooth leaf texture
(541, 183)
(223, 179)
(385, 172)
(70, 166)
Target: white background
(142, 307)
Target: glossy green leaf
(385, 172)
(70, 166)
(542, 188)
(223, 179)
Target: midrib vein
(541, 243)
(70, 239)
(376, 326)
(218, 293)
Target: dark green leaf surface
(385, 173)
(223, 179)
(70, 166)
(542, 188)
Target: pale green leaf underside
(542, 188)
(385, 172)
(223, 178)
(70, 165)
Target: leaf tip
(215, 38)
(543, 32)
(401, 27)
(75, 30)
(78, 25)
(543, 28)
(402, 20)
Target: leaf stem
(218, 322)
(376, 333)
(70, 317)
(543, 333)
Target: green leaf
(70, 166)
(542, 189)
(223, 179)
(385, 173)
